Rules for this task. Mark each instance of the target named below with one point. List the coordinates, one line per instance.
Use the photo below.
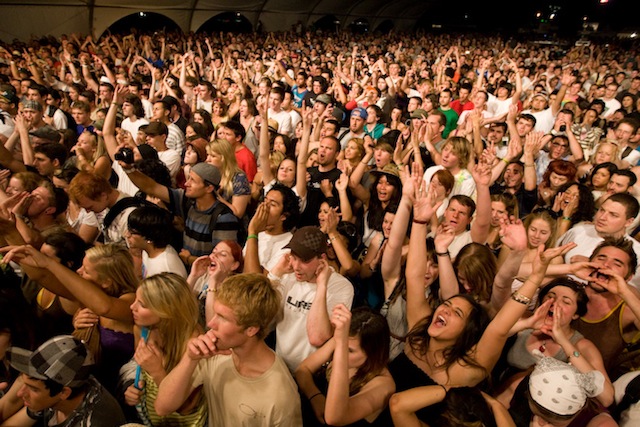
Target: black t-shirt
(98, 409)
(314, 193)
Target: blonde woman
(235, 191)
(105, 286)
(165, 306)
(91, 155)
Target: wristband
(505, 160)
(252, 236)
(529, 165)
(445, 253)
(317, 394)
(519, 298)
(417, 221)
(567, 218)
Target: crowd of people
(318, 229)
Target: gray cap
(63, 359)
(324, 98)
(31, 105)
(47, 132)
(207, 172)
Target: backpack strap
(122, 204)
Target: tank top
(520, 357)
(605, 333)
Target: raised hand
(341, 320)
(513, 234)
(443, 238)
(259, 221)
(204, 347)
(149, 357)
(425, 205)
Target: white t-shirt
(132, 127)
(610, 106)
(271, 248)
(498, 107)
(284, 122)
(464, 183)
(167, 262)
(125, 185)
(544, 119)
(292, 342)
(172, 159)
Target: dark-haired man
(57, 388)
(612, 320)
(175, 137)
(612, 219)
(270, 229)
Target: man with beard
(356, 126)
(242, 378)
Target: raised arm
(482, 176)
(303, 153)
(424, 207)
(257, 224)
(490, 345)
(391, 265)
(319, 328)
(264, 148)
(516, 245)
(82, 290)
(146, 184)
(177, 386)
(340, 407)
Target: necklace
(543, 346)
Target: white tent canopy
(24, 19)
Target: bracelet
(418, 221)
(331, 239)
(575, 354)
(317, 394)
(129, 170)
(567, 218)
(519, 298)
(252, 236)
(444, 388)
(529, 165)
(505, 160)
(445, 253)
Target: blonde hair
(170, 298)
(229, 166)
(253, 300)
(114, 262)
(546, 217)
(614, 152)
(461, 148)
